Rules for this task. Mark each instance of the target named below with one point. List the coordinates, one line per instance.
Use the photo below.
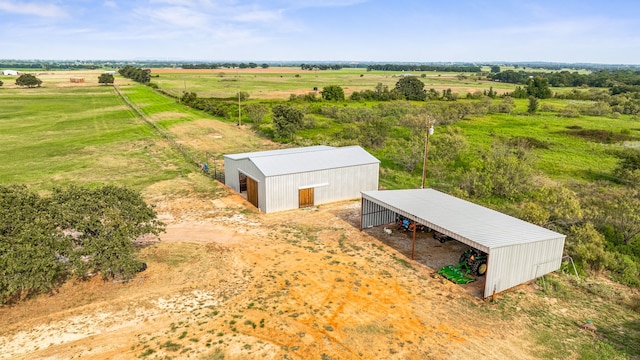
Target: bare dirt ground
(227, 282)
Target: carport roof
(466, 221)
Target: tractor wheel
(480, 268)
(463, 258)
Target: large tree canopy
(412, 88)
(74, 232)
(287, 120)
(332, 92)
(106, 79)
(28, 80)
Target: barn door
(305, 197)
(252, 191)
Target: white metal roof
(465, 220)
(276, 152)
(320, 159)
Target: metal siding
(374, 214)
(511, 266)
(342, 184)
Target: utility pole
(426, 150)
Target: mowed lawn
(51, 137)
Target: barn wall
(232, 170)
(513, 265)
(281, 192)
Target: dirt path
(303, 284)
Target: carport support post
(413, 244)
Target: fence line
(216, 174)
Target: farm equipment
(441, 237)
(475, 260)
(407, 225)
(471, 262)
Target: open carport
(517, 251)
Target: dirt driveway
(228, 282)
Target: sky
(565, 31)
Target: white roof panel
(465, 220)
(320, 159)
(276, 152)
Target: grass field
(74, 135)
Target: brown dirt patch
(302, 284)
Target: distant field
(280, 83)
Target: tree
(106, 79)
(374, 129)
(256, 112)
(411, 88)
(287, 120)
(533, 105)
(108, 219)
(556, 207)
(242, 95)
(332, 92)
(44, 240)
(1, 83)
(29, 244)
(506, 105)
(28, 80)
(505, 171)
(495, 69)
(408, 153)
(619, 214)
(538, 87)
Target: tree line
(142, 76)
(600, 78)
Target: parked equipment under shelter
(517, 251)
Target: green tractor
(475, 260)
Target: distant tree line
(601, 78)
(423, 67)
(320, 66)
(142, 76)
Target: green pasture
(563, 156)
(69, 135)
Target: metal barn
(287, 179)
(517, 251)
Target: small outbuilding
(293, 178)
(10, 72)
(517, 251)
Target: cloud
(110, 4)
(37, 9)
